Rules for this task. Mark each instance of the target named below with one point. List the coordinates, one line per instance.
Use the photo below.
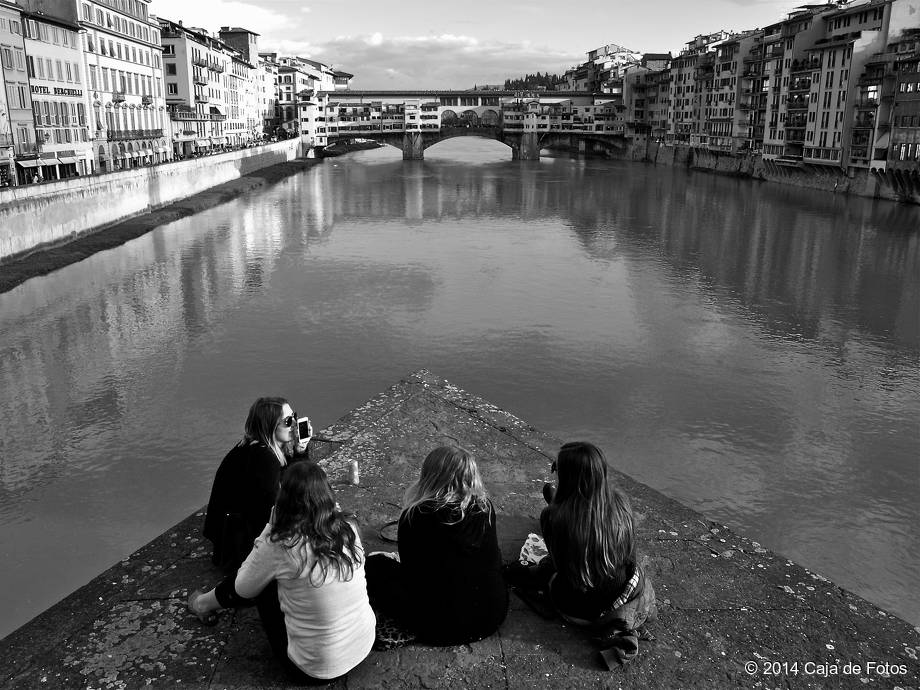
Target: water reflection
(749, 349)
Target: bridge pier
(528, 148)
(413, 147)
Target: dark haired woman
(247, 481)
(314, 554)
(592, 573)
(447, 587)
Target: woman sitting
(447, 586)
(314, 554)
(247, 481)
(592, 575)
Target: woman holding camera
(447, 586)
(247, 481)
(314, 554)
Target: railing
(866, 102)
(200, 62)
(118, 96)
(797, 103)
(201, 99)
(184, 115)
(201, 81)
(146, 99)
(218, 118)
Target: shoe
(205, 618)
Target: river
(751, 350)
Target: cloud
(212, 14)
(438, 60)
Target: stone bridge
(414, 120)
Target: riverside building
(123, 68)
(60, 99)
(195, 65)
(19, 148)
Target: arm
(262, 565)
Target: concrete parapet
(731, 614)
(34, 216)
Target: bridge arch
(470, 118)
(449, 117)
(490, 118)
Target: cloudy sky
(391, 44)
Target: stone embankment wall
(898, 185)
(34, 216)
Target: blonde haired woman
(447, 587)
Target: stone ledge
(723, 599)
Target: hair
(263, 418)
(306, 514)
(449, 477)
(591, 526)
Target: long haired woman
(594, 578)
(247, 480)
(447, 586)
(314, 554)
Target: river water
(751, 350)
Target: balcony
(799, 85)
(198, 79)
(864, 121)
(146, 99)
(199, 98)
(797, 103)
(183, 115)
(795, 135)
(217, 117)
(867, 102)
(216, 66)
(118, 97)
(805, 65)
(200, 62)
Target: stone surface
(724, 601)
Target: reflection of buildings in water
(130, 310)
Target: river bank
(44, 260)
(731, 613)
(901, 186)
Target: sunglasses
(289, 421)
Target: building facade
(197, 88)
(123, 71)
(60, 99)
(19, 147)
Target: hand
(305, 440)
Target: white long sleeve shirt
(330, 627)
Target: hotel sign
(56, 91)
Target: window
(30, 66)
(171, 88)
(171, 70)
(7, 58)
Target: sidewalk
(723, 601)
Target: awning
(162, 149)
(67, 160)
(147, 152)
(882, 141)
(49, 161)
(202, 142)
(29, 163)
